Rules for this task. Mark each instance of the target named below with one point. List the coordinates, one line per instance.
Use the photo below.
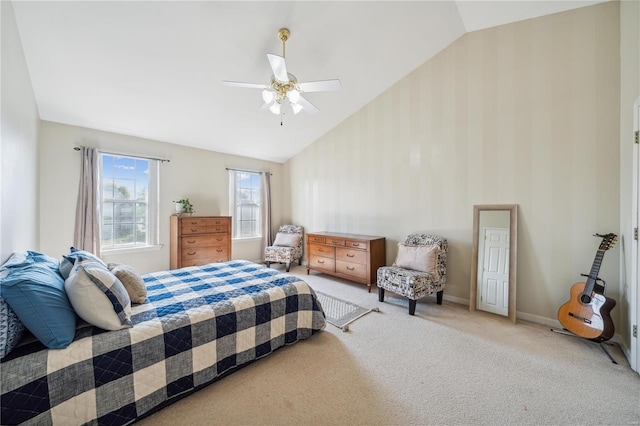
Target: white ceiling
(154, 69)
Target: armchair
(287, 247)
(423, 251)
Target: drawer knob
(320, 261)
(351, 255)
(355, 244)
(321, 251)
(194, 223)
(351, 268)
(218, 239)
(194, 230)
(219, 250)
(191, 241)
(191, 253)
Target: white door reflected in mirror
(494, 259)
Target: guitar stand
(568, 333)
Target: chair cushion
(418, 258)
(407, 282)
(287, 240)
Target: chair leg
(412, 307)
(288, 266)
(380, 294)
(439, 297)
(268, 264)
(300, 261)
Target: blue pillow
(43, 259)
(17, 260)
(66, 265)
(11, 328)
(37, 296)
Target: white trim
(121, 250)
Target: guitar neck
(593, 275)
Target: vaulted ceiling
(154, 69)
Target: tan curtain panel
(87, 230)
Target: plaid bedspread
(197, 324)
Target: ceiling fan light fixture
(268, 96)
(296, 108)
(294, 96)
(275, 108)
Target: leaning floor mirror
(493, 259)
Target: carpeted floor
(442, 366)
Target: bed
(197, 325)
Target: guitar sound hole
(585, 298)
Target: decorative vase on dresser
(197, 240)
(349, 256)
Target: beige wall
(194, 173)
(19, 145)
(525, 113)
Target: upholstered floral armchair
(419, 270)
(287, 247)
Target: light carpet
(339, 312)
(443, 366)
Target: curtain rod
(248, 171)
(162, 160)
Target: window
(244, 195)
(129, 202)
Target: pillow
(11, 328)
(36, 294)
(422, 258)
(287, 240)
(66, 265)
(17, 260)
(43, 259)
(131, 280)
(98, 296)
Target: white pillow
(98, 297)
(418, 258)
(287, 240)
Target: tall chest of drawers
(197, 240)
(349, 256)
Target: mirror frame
(513, 255)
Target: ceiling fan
(284, 87)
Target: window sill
(247, 240)
(108, 252)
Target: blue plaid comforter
(197, 324)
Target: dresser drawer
(351, 255)
(314, 239)
(353, 269)
(218, 229)
(194, 229)
(197, 241)
(362, 245)
(214, 253)
(320, 262)
(318, 250)
(334, 241)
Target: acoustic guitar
(586, 314)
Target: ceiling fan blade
(265, 106)
(247, 85)
(279, 67)
(308, 106)
(320, 86)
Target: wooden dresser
(196, 240)
(349, 256)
